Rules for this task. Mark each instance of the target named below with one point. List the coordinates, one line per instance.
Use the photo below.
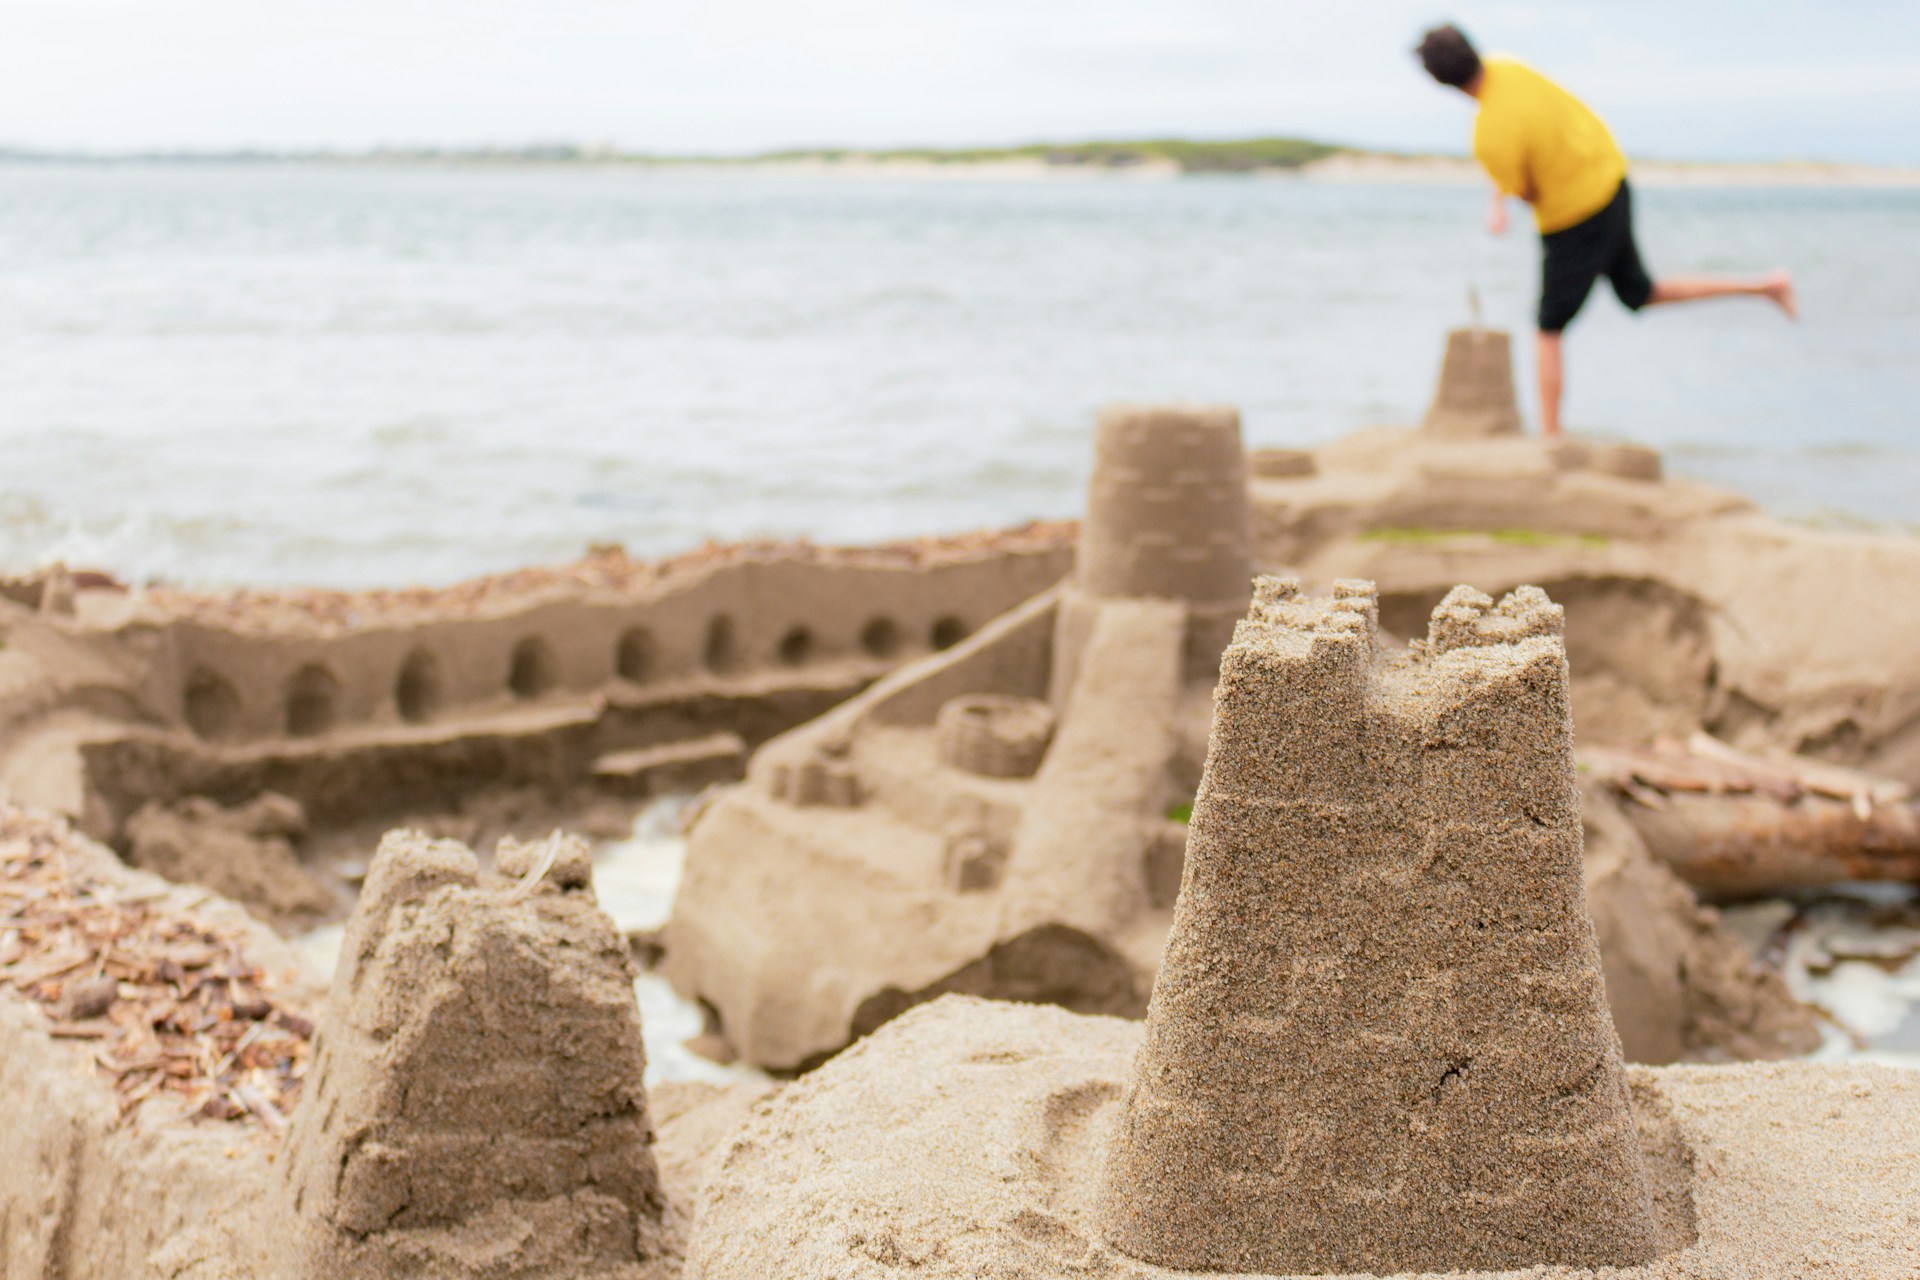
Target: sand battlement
(1467, 618)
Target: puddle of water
(635, 880)
(1855, 953)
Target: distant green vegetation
(1181, 812)
(1244, 156)
(1417, 536)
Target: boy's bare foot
(1779, 287)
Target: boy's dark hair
(1449, 56)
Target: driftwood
(1737, 825)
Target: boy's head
(1449, 56)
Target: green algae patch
(1420, 536)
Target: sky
(1677, 79)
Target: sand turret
(1475, 397)
(478, 1107)
(1379, 1039)
(1167, 519)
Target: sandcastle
(1379, 1040)
(1003, 818)
(1379, 1043)
(993, 819)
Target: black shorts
(1576, 256)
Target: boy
(1540, 143)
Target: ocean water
(367, 375)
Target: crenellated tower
(1379, 1039)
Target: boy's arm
(1503, 156)
(1497, 213)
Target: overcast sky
(1685, 79)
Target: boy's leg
(1776, 288)
(1549, 359)
(1570, 261)
(1638, 289)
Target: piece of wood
(1736, 825)
(1736, 846)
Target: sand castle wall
(369, 709)
(864, 849)
(1379, 1038)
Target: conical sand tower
(1379, 1040)
(477, 1106)
(1475, 397)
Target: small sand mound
(479, 1109)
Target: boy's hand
(1497, 216)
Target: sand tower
(1162, 574)
(1475, 398)
(476, 1106)
(1167, 519)
(1379, 1039)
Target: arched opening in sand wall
(637, 656)
(722, 653)
(417, 689)
(212, 706)
(313, 701)
(796, 646)
(880, 638)
(947, 631)
(533, 670)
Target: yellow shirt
(1539, 142)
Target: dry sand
(245, 854)
(966, 1139)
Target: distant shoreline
(1151, 161)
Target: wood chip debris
(166, 1004)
